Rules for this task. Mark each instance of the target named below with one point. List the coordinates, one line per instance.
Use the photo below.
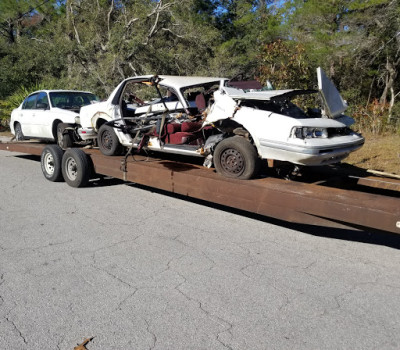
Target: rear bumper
(87, 133)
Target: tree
(286, 64)
(112, 40)
(21, 22)
(245, 26)
(355, 41)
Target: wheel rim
(71, 168)
(106, 139)
(232, 161)
(49, 163)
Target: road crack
(119, 307)
(17, 329)
(220, 320)
(154, 337)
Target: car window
(72, 100)
(144, 93)
(42, 101)
(207, 90)
(29, 102)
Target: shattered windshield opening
(71, 100)
(141, 93)
(206, 90)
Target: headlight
(309, 133)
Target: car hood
(95, 107)
(239, 94)
(64, 111)
(334, 103)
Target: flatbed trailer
(339, 199)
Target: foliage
(13, 101)
(286, 64)
(94, 44)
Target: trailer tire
(64, 137)
(108, 141)
(50, 161)
(236, 157)
(76, 167)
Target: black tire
(236, 157)
(64, 137)
(50, 161)
(76, 167)
(19, 135)
(108, 141)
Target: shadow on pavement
(387, 239)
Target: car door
(27, 114)
(44, 117)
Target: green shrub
(7, 105)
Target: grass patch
(6, 133)
(380, 152)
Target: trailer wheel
(76, 167)
(236, 157)
(64, 139)
(50, 161)
(108, 141)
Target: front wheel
(19, 136)
(50, 161)
(236, 157)
(64, 139)
(108, 141)
(76, 167)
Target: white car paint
(38, 123)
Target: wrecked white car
(233, 125)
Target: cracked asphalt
(137, 269)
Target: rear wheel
(19, 136)
(76, 167)
(50, 161)
(236, 157)
(108, 141)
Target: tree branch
(109, 19)
(133, 20)
(78, 40)
(157, 11)
(170, 31)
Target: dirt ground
(380, 152)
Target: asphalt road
(138, 269)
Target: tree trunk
(390, 79)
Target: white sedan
(233, 125)
(42, 113)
